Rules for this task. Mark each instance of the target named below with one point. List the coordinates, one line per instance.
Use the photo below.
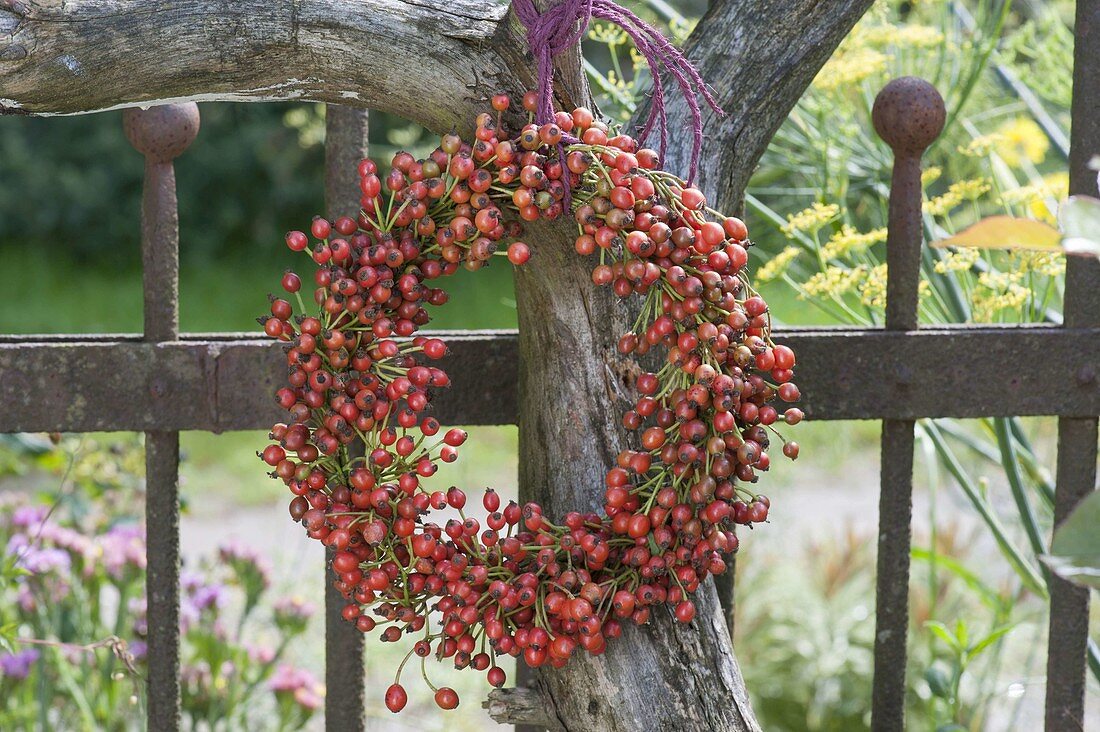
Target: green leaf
(7, 636)
(940, 630)
(951, 727)
(1075, 551)
(960, 633)
(976, 650)
(938, 682)
(1079, 217)
(1005, 232)
(988, 595)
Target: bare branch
(76, 56)
(758, 56)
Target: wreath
(514, 582)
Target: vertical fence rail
(908, 114)
(161, 134)
(1077, 437)
(345, 145)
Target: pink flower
(298, 684)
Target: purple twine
(556, 29)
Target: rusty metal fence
(164, 382)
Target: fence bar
(1077, 437)
(908, 114)
(224, 381)
(161, 134)
(345, 145)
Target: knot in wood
(908, 115)
(163, 132)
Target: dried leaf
(1006, 232)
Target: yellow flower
(850, 67)
(1048, 264)
(1022, 196)
(1057, 184)
(942, 205)
(833, 282)
(957, 192)
(1056, 188)
(1023, 139)
(904, 36)
(872, 291)
(1041, 200)
(982, 145)
(810, 219)
(970, 189)
(918, 36)
(777, 265)
(1034, 200)
(998, 291)
(930, 175)
(957, 260)
(608, 34)
(848, 241)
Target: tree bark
(76, 56)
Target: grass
(73, 297)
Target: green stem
(1027, 573)
(1019, 493)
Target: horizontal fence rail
(226, 381)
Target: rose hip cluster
(514, 583)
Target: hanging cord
(556, 29)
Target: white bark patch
(9, 104)
(69, 62)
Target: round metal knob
(163, 132)
(908, 114)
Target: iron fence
(164, 382)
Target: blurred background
(253, 582)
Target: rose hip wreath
(512, 582)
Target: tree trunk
(76, 56)
(571, 404)
(573, 389)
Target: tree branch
(77, 56)
(522, 705)
(758, 56)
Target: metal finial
(909, 115)
(163, 132)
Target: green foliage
(804, 634)
(246, 178)
(1037, 51)
(945, 679)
